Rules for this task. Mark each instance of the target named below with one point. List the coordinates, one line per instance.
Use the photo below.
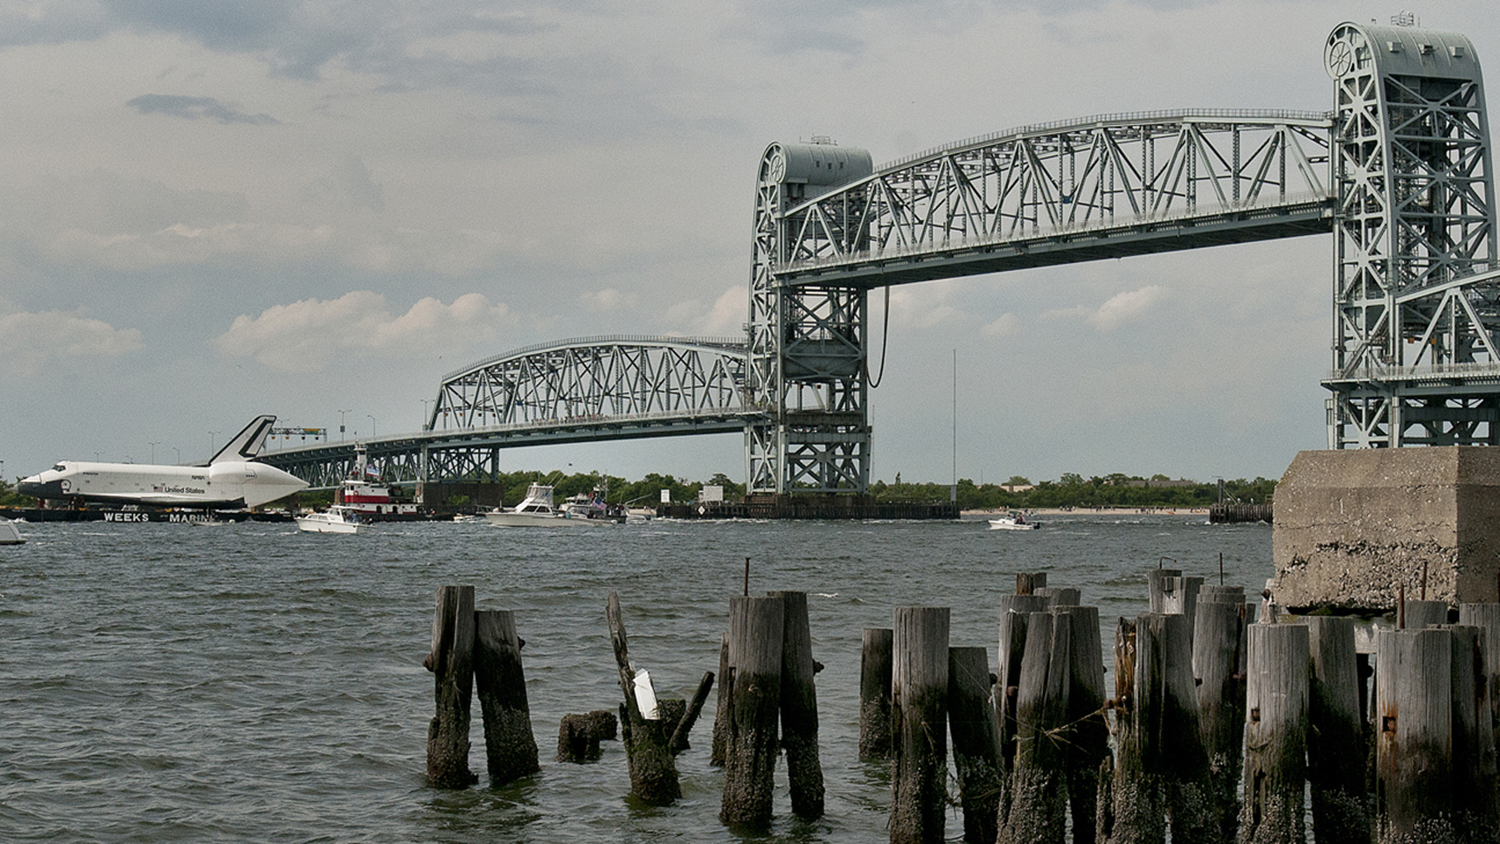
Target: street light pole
(341, 423)
(372, 425)
(425, 402)
(153, 450)
(213, 437)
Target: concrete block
(1352, 527)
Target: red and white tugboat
(363, 494)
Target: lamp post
(341, 423)
(177, 451)
(153, 450)
(425, 402)
(372, 425)
(213, 437)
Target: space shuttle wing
(247, 443)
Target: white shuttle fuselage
(232, 480)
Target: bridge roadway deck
(400, 450)
(1065, 246)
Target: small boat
(1014, 521)
(336, 519)
(9, 535)
(536, 510)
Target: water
(248, 682)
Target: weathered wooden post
(1184, 761)
(721, 705)
(452, 664)
(509, 745)
(1131, 810)
(919, 716)
(1160, 582)
(1036, 811)
(1218, 660)
(1487, 618)
(875, 694)
(1027, 582)
(653, 773)
(578, 736)
(1476, 810)
(799, 708)
(976, 741)
(1336, 735)
(1014, 610)
(1420, 614)
(756, 631)
(1059, 596)
(679, 741)
(1413, 702)
(1276, 735)
(1086, 739)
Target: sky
(210, 211)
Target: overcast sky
(300, 207)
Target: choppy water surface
(251, 683)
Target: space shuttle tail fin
(247, 443)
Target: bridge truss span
(594, 378)
(1099, 187)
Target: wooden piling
(1413, 702)
(756, 631)
(653, 773)
(1131, 808)
(1420, 614)
(1086, 737)
(1014, 610)
(875, 694)
(1336, 735)
(1035, 811)
(1028, 583)
(1487, 618)
(1183, 760)
(679, 740)
(919, 681)
(1159, 582)
(799, 708)
(976, 742)
(452, 664)
(1276, 735)
(1476, 811)
(509, 744)
(1218, 660)
(1059, 596)
(721, 705)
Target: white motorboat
(537, 510)
(336, 519)
(9, 534)
(1014, 521)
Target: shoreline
(1092, 511)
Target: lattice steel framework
(570, 391)
(828, 228)
(1416, 297)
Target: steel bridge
(1400, 171)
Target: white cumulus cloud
(1124, 307)
(29, 340)
(306, 334)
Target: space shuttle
(231, 480)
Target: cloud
(195, 108)
(307, 334)
(1008, 323)
(1124, 307)
(607, 300)
(724, 318)
(29, 340)
(1120, 309)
